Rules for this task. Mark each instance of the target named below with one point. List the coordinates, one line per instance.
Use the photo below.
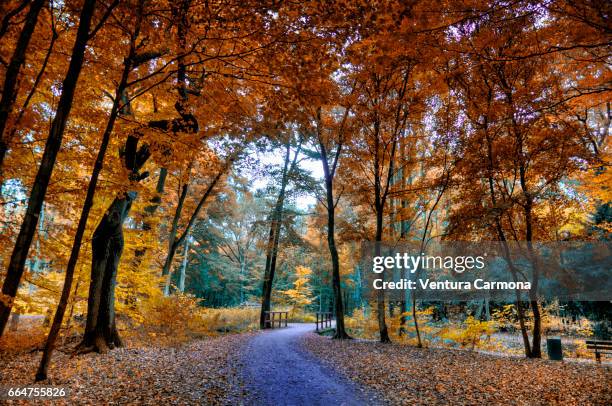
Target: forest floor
(432, 376)
(205, 371)
(295, 366)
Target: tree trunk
(502, 238)
(149, 212)
(536, 350)
(15, 321)
(380, 294)
(41, 182)
(331, 243)
(329, 173)
(9, 90)
(536, 340)
(172, 242)
(273, 241)
(416, 321)
(107, 246)
(181, 282)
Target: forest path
(279, 372)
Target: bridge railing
(324, 319)
(278, 318)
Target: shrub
(470, 333)
(174, 320)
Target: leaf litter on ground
(201, 372)
(435, 376)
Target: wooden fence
(325, 319)
(276, 318)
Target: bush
(176, 319)
(470, 333)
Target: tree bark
(181, 282)
(15, 321)
(380, 294)
(172, 244)
(149, 212)
(331, 242)
(107, 246)
(502, 238)
(41, 182)
(329, 173)
(379, 207)
(9, 90)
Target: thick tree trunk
(107, 246)
(41, 182)
(9, 90)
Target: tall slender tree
(276, 218)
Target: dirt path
(279, 372)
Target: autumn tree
(382, 113)
(276, 219)
(522, 144)
(39, 189)
(330, 138)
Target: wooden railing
(600, 347)
(276, 317)
(325, 319)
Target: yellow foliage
(470, 333)
(427, 328)
(176, 319)
(362, 323)
(299, 296)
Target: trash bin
(555, 350)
